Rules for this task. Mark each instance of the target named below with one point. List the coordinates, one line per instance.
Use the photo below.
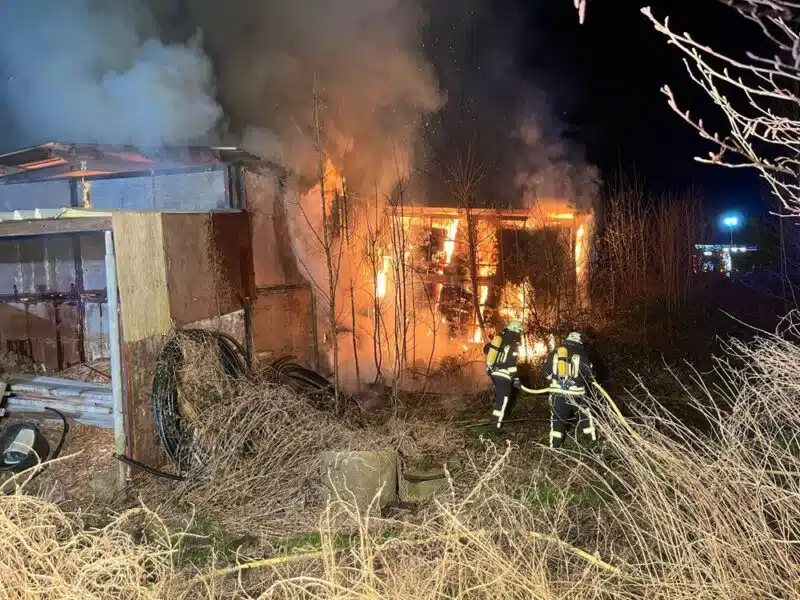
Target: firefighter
(570, 371)
(501, 366)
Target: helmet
(515, 326)
(576, 337)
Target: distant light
(730, 221)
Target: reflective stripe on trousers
(500, 414)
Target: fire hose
(606, 396)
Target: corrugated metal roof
(56, 161)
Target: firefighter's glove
(516, 383)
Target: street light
(731, 223)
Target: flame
(381, 278)
(477, 337)
(565, 216)
(579, 250)
(380, 285)
(333, 180)
(450, 242)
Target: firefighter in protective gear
(501, 366)
(570, 371)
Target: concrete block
(417, 491)
(360, 476)
(417, 485)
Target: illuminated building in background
(722, 258)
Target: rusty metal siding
(40, 194)
(52, 299)
(195, 191)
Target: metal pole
(115, 349)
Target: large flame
(450, 242)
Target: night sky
(616, 63)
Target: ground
(428, 431)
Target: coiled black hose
(298, 377)
(169, 422)
(173, 432)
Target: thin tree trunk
(347, 233)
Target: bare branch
(758, 96)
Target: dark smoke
(363, 56)
(502, 108)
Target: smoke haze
(81, 71)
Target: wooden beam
(34, 227)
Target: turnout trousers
(566, 410)
(505, 398)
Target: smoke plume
(399, 86)
(92, 71)
(357, 63)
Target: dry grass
(49, 554)
(70, 482)
(255, 457)
(13, 363)
(683, 514)
(680, 514)
(98, 371)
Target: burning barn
(486, 267)
(215, 237)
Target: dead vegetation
(12, 362)
(47, 553)
(659, 511)
(98, 371)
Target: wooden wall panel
(142, 275)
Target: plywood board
(142, 275)
(209, 264)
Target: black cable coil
(170, 424)
(167, 414)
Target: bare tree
(757, 95)
(326, 232)
(646, 250)
(348, 235)
(580, 6)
